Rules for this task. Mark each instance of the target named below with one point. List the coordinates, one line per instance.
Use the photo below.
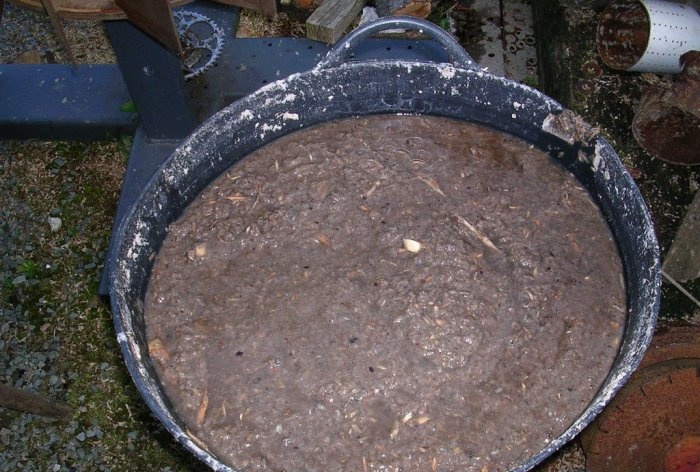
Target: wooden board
(683, 258)
(58, 28)
(108, 9)
(328, 22)
(267, 6)
(86, 9)
(155, 18)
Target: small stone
(411, 246)
(80, 437)
(19, 280)
(200, 250)
(55, 223)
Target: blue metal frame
(153, 76)
(57, 101)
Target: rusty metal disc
(676, 342)
(653, 424)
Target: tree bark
(29, 402)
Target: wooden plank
(32, 403)
(58, 28)
(85, 9)
(328, 22)
(682, 261)
(155, 18)
(267, 6)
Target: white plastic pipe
(647, 35)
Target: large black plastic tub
(340, 88)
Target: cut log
(328, 22)
(683, 259)
(417, 8)
(29, 402)
(667, 120)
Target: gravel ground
(24, 30)
(57, 202)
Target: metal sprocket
(202, 42)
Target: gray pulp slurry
(333, 337)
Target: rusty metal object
(678, 342)
(591, 70)
(585, 86)
(653, 424)
(667, 122)
(684, 456)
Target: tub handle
(343, 50)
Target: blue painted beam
(57, 101)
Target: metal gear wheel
(202, 42)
